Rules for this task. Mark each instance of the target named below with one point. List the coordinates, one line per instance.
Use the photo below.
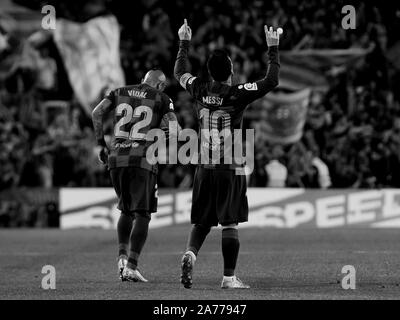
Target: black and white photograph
(199, 156)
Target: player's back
(220, 110)
(219, 105)
(138, 109)
(221, 102)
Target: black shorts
(219, 196)
(136, 189)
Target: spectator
(276, 171)
(352, 134)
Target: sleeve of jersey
(181, 69)
(190, 83)
(249, 92)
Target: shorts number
(132, 114)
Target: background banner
(286, 116)
(276, 208)
(311, 67)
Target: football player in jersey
(219, 193)
(137, 109)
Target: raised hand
(185, 33)
(272, 36)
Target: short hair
(155, 75)
(219, 65)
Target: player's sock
(138, 238)
(197, 237)
(230, 250)
(124, 229)
(133, 260)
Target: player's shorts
(219, 196)
(136, 189)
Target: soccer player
(219, 194)
(138, 109)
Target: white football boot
(132, 275)
(233, 283)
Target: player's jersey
(138, 109)
(220, 109)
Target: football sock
(230, 250)
(124, 229)
(138, 238)
(197, 237)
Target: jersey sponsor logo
(251, 86)
(213, 100)
(124, 145)
(137, 94)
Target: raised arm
(253, 91)
(181, 69)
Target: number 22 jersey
(138, 109)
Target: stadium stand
(352, 131)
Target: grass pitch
(277, 263)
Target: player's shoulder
(201, 82)
(166, 100)
(159, 96)
(194, 84)
(202, 85)
(110, 93)
(164, 96)
(153, 93)
(123, 90)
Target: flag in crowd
(90, 53)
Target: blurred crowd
(352, 132)
(29, 207)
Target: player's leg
(196, 239)
(232, 209)
(203, 217)
(230, 253)
(137, 240)
(230, 248)
(124, 227)
(143, 201)
(124, 230)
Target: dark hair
(219, 65)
